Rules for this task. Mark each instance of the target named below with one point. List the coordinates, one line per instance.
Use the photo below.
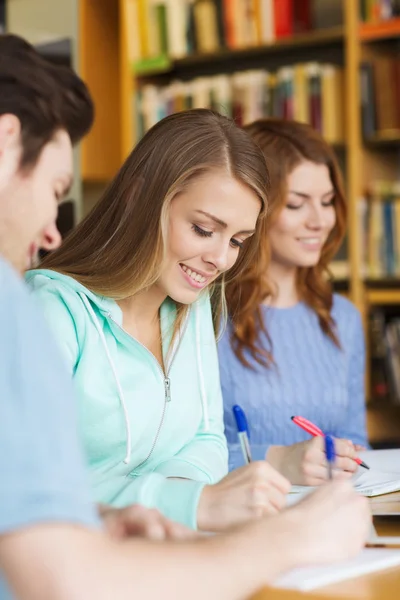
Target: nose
(51, 238)
(219, 256)
(315, 218)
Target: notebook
(369, 560)
(383, 477)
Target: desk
(384, 585)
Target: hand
(359, 448)
(250, 492)
(305, 463)
(333, 523)
(136, 520)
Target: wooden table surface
(383, 585)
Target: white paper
(383, 477)
(368, 561)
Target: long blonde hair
(118, 249)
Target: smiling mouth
(194, 275)
(310, 241)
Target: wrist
(276, 456)
(204, 521)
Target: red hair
(285, 144)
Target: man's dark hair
(45, 97)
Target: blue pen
(330, 453)
(243, 432)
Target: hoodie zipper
(166, 380)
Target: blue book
(388, 220)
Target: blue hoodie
(150, 438)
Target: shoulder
(54, 292)
(348, 319)
(11, 285)
(44, 281)
(60, 303)
(345, 311)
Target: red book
(283, 17)
(302, 16)
(229, 23)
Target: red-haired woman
(294, 347)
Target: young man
(51, 544)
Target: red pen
(316, 431)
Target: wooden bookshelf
(313, 39)
(372, 32)
(386, 138)
(383, 297)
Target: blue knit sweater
(312, 378)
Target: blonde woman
(127, 297)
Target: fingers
(144, 522)
(345, 448)
(346, 464)
(266, 473)
(359, 448)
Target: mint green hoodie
(140, 427)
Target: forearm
(75, 564)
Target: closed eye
(202, 232)
(236, 244)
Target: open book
(368, 561)
(383, 477)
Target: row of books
(384, 335)
(309, 92)
(379, 10)
(177, 28)
(380, 95)
(380, 227)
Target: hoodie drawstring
(118, 384)
(200, 371)
(113, 369)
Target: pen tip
(362, 464)
(292, 418)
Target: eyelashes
(298, 206)
(201, 232)
(207, 234)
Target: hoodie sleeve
(205, 457)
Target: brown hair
(118, 249)
(45, 97)
(285, 145)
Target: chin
(184, 296)
(308, 262)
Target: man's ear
(10, 132)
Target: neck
(283, 279)
(143, 308)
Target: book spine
(283, 18)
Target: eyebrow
(302, 195)
(222, 223)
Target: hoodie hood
(37, 278)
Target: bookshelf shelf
(383, 296)
(371, 32)
(390, 137)
(163, 64)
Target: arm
(354, 421)
(67, 563)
